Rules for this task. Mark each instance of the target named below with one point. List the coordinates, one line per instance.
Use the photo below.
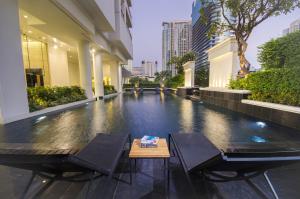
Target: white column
(120, 77)
(98, 75)
(116, 76)
(13, 95)
(85, 68)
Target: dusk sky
(148, 16)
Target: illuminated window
(35, 59)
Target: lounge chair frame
(209, 172)
(53, 166)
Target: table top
(161, 151)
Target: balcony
(122, 37)
(102, 13)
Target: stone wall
(233, 101)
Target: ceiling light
(54, 39)
(55, 46)
(29, 31)
(25, 16)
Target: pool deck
(148, 182)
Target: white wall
(224, 63)
(189, 74)
(59, 70)
(13, 95)
(74, 75)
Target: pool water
(150, 114)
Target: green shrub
(44, 97)
(202, 77)
(109, 89)
(281, 52)
(276, 86)
(175, 81)
(128, 86)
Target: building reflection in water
(162, 97)
(186, 116)
(216, 127)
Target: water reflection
(216, 127)
(153, 114)
(186, 115)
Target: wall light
(40, 119)
(55, 46)
(25, 16)
(54, 39)
(261, 124)
(29, 31)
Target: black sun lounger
(198, 155)
(98, 158)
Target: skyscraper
(201, 42)
(177, 40)
(150, 68)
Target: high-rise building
(129, 65)
(200, 40)
(294, 26)
(177, 40)
(150, 68)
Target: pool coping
(48, 110)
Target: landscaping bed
(45, 97)
(280, 86)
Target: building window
(35, 59)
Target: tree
(202, 77)
(241, 17)
(282, 52)
(179, 61)
(162, 76)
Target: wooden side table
(159, 152)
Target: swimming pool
(151, 114)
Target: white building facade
(61, 43)
(176, 41)
(150, 68)
(294, 26)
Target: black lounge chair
(199, 156)
(97, 159)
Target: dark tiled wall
(232, 101)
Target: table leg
(130, 170)
(166, 175)
(135, 165)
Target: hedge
(175, 81)
(276, 86)
(44, 97)
(109, 89)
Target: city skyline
(147, 31)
